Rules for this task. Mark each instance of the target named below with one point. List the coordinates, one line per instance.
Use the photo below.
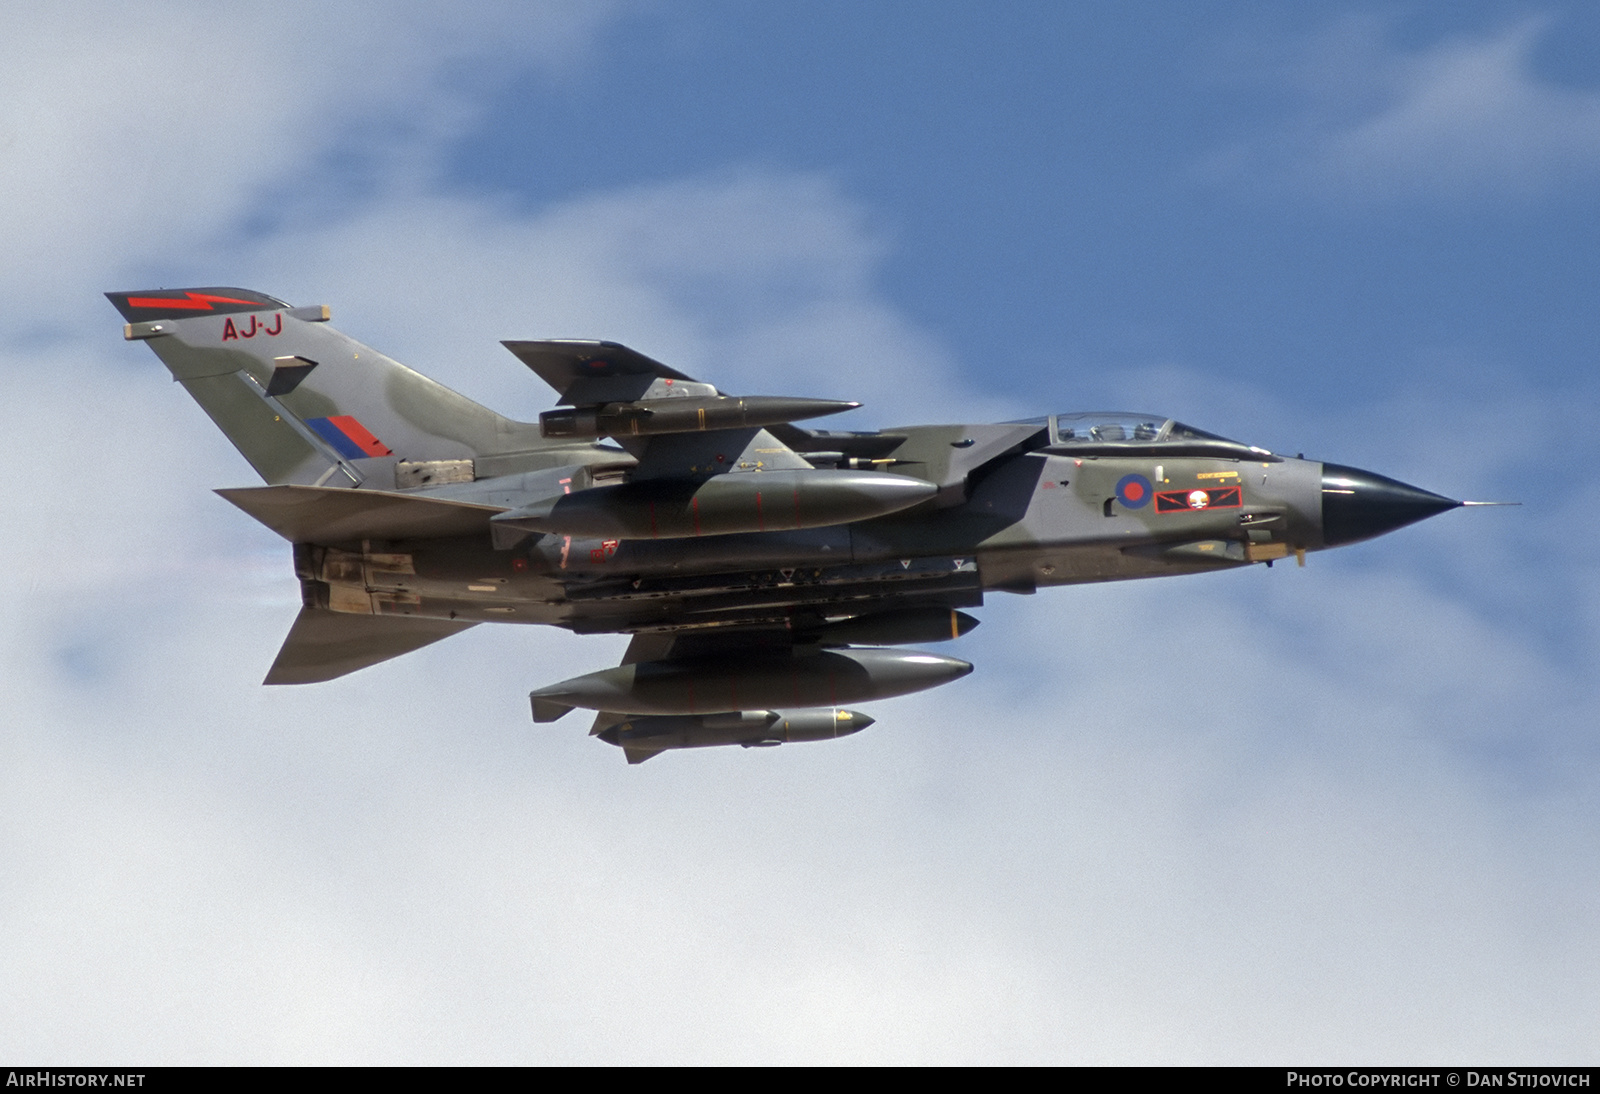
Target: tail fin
(307, 405)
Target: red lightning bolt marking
(189, 301)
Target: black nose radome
(1358, 505)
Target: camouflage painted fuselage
(1032, 520)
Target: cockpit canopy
(1100, 427)
(1116, 433)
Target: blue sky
(1268, 817)
(1099, 188)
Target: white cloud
(130, 133)
(1210, 820)
(1471, 115)
(1466, 117)
(759, 281)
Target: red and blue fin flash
(349, 437)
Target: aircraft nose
(1359, 505)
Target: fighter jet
(768, 573)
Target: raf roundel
(1133, 491)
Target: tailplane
(327, 645)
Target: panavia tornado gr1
(769, 573)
